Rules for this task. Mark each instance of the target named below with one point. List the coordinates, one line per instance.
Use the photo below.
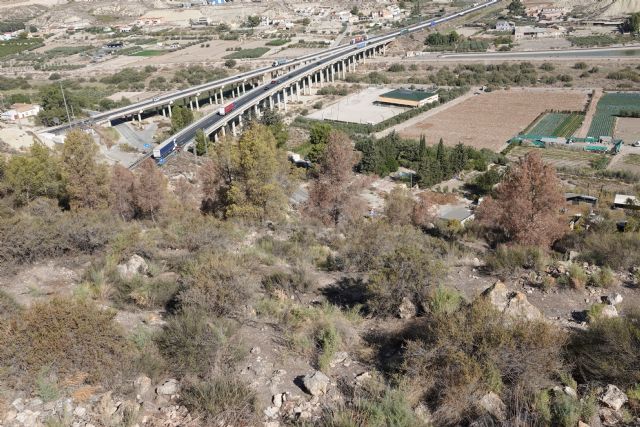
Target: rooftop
(409, 95)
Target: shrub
(603, 278)
(289, 283)
(64, 337)
(473, 351)
(445, 301)
(613, 250)
(577, 276)
(511, 258)
(216, 284)
(389, 408)
(223, 400)
(192, 343)
(609, 351)
(408, 272)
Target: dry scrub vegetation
(245, 269)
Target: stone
(316, 383)
(423, 414)
(277, 400)
(519, 307)
(407, 309)
(609, 417)
(271, 424)
(492, 403)
(169, 387)
(609, 312)
(28, 418)
(18, 404)
(361, 378)
(338, 358)
(10, 415)
(581, 424)
(612, 299)
(613, 397)
(255, 350)
(573, 255)
(271, 412)
(33, 403)
(142, 385)
(498, 295)
(570, 392)
(80, 411)
(135, 265)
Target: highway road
(254, 96)
(621, 52)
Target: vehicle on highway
(279, 62)
(361, 45)
(156, 99)
(227, 109)
(359, 39)
(275, 82)
(636, 144)
(163, 150)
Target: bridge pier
(191, 104)
(243, 89)
(197, 103)
(333, 74)
(298, 91)
(271, 102)
(221, 96)
(278, 99)
(284, 96)
(210, 99)
(170, 112)
(140, 118)
(164, 114)
(215, 137)
(256, 110)
(233, 127)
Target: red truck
(359, 39)
(226, 110)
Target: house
(20, 111)
(576, 199)
(506, 26)
(624, 201)
(408, 98)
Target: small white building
(502, 25)
(626, 202)
(20, 111)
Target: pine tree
(442, 161)
(459, 158)
(422, 150)
(87, 181)
(149, 190)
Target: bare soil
(489, 120)
(627, 129)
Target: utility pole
(66, 107)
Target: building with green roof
(408, 97)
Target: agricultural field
(11, 47)
(491, 119)
(148, 53)
(627, 129)
(248, 53)
(560, 157)
(610, 105)
(557, 124)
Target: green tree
(458, 159)
(318, 137)
(253, 21)
(203, 143)
(181, 117)
(632, 23)
(53, 110)
(87, 181)
(306, 21)
(516, 7)
(256, 191)
(36, 174)
(442, 160)
(274, 122)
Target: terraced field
(609, 106)
(559, 157)
(557, 124)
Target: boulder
(407, 309)
(135, 265)
(142, 385)
(613, 397)
(612, 299)
(512, 304)
(498, 295)
(609, 312)
(168, 388)
(570, 392)
(520, 308)
(492, 403)
(581, 424)
(316, 383)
